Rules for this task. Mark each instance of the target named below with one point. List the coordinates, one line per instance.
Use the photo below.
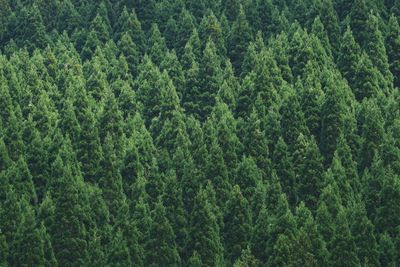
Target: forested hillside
(240, 133)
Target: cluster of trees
(199, 133)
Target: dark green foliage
(237, 224)
(309, 178)
(161, 248)
(240, 133)
(204, 231)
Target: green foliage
(199, 133)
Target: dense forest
(240, 133)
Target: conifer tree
(89, 150)
(210, 77)
(68, 229)
(110, 182)
(387, 251)
(343, 247)
(358, 20)
(239, 38)
(376, 50)
(311, 100)
(255, 143)
(283, 166)
(392, 43)
(3, 250)
(364, 237)
(372, 133)
(161, 247)
(28, 248)
(332, 119)
(292, 121)
(389, 194)
(237, 224)
(204, 231)
(157, 45)
(309, 178)
(175, 211)
(119, 253)
(260, 236)
(366, 83)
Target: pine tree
(157, 45)
(111, 123)
(21, 179)
(260, 236)
(175, 211)
(255, 144)
(389, 194)
(130, 51)
(49, 256)
(239, 38)
(129, 23)
(283, 166)
(89, 150)
(375, 47)
(292, 121)
(366, 83)
(119, 253)
(387, 251)
(311, 100)
(343, 247)
(237, 224)
(349, 55)
(372, 132)
(282, 223)
(364, 237)
(210, 77)
(3, 250)
(309, 178)
(28, 248)
(332, 119)
(68, 230)
(358, 21)
(30, 30)
(160, 247)
(110, 182)
(205, 232)
(218, 173)
(247, 177)
(392, 45)
(309, 232)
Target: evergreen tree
(349, 55)
(366, 80)
(376, 50)
(364, 237)
(28, 248)
(309, 178)
(237, 224)
(239, 38)
(210, 77)
(68, 230)
(292, 121)
(119, 253)
(343, 247)
(160, 247)
(392, 43)
(284, 169)
(332, 119)
(358, 21)
(372, 133)
(89, 150)
(204, 231)
(260, 236)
